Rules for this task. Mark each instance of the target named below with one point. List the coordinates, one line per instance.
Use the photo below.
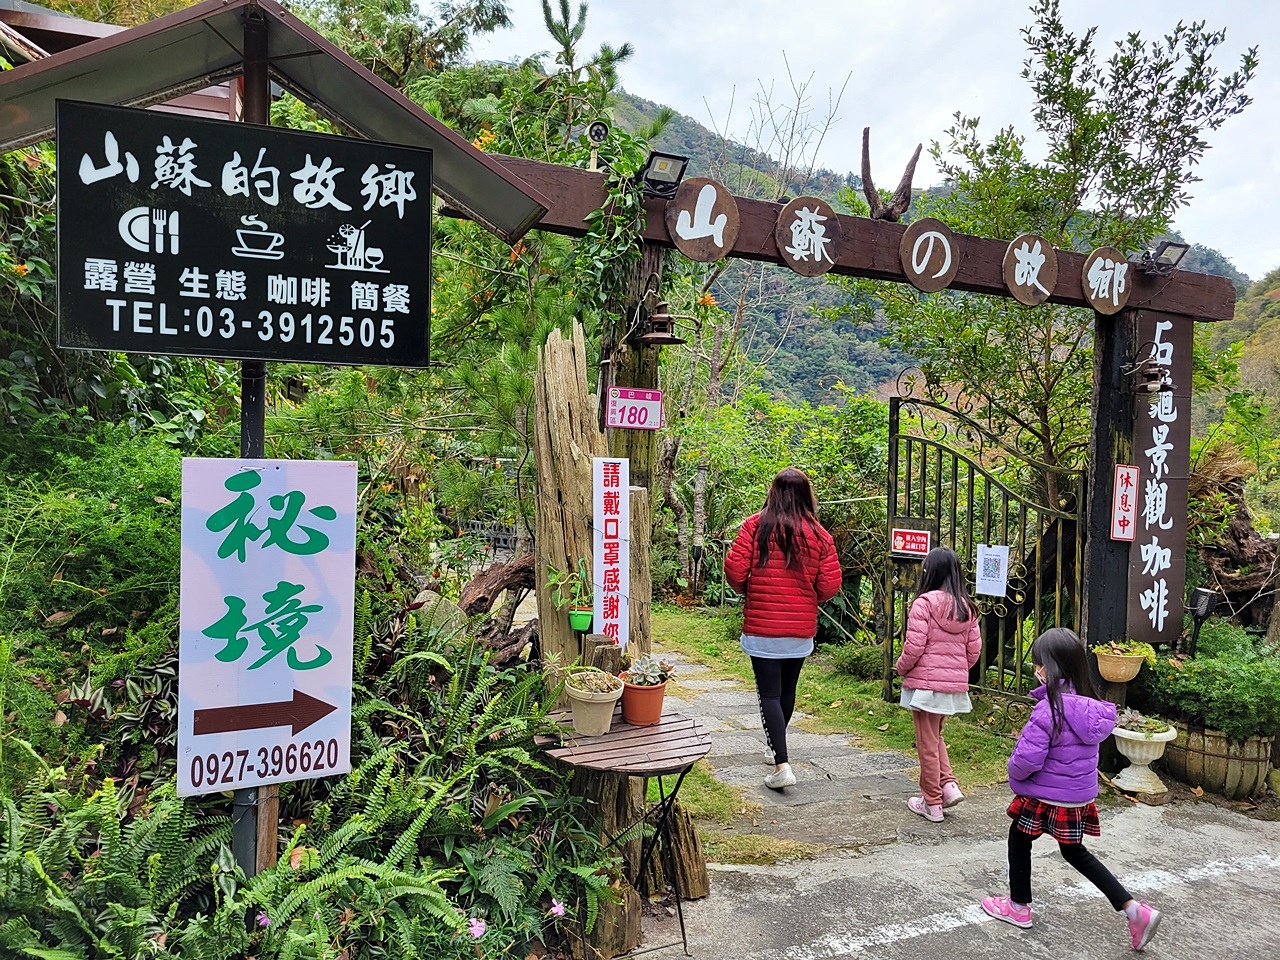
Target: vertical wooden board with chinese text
(266, 623)
(1162, 451)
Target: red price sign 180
(634, 409)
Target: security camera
(598, 131)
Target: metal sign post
(247, 823)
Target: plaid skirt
(1064, 824)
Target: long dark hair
(941, 571)
(788, 506)
(1061, 652)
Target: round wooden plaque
(702, 219)
(1030, 269)
(808, 236)
(1106, 280)
(928, 255)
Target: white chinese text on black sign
(204, 238)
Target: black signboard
(215, 239)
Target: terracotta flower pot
(642, 703)
(1118, 668)
(1141, 749)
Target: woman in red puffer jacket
(785, 563)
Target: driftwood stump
(690, 862)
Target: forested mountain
(807, 355)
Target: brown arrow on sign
(300, 712)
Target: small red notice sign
(910, 543)
(1124, 503)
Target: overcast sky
(915, 64)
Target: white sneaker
(768, 756)
(780, 778)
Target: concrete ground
(891, 885)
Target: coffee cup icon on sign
(258, 242)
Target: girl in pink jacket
(942, 643)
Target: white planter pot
(1141, 749)
(593, 712)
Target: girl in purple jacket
(1054, 773)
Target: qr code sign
(991, 567)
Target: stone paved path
(838, 783)
(890, 886)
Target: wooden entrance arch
(1171, 304)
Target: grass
(706, 797)
(753, 848)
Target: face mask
(1040, 674)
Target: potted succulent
(1120, 660)
(644, 685)
(593, 693)
(573, 590)
(1142, 740)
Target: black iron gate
(978, 496)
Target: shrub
(1239, 695)
(859, 660)
(1220, 637)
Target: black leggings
(1074, 853)
(776, 688)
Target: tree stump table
(612, 771)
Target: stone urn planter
(1141, 749)
(1205, 758)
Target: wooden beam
(870, 247)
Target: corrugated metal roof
(204, 44)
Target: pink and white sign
(634, 409)
(1124, 503)
(911, 543)
(611, 482)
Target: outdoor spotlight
(1203, 600)
(597, 132)
(662, 329)
(1164, 259)
(662, 173)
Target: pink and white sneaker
(1002, 908)
(951, 794)
(1143, 927)
(930, 811)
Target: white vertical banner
(266, 621)
(611, 528)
